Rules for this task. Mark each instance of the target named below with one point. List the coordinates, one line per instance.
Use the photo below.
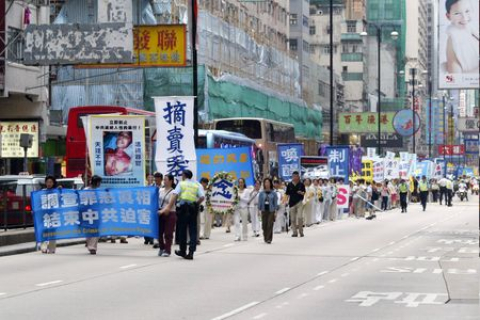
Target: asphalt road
(420, 265)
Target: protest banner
(367, 170)
(117, 149)
(378, 171)
(391, 169)
(175, 136)
(236, 161)
(314, 167)
(222, 194)
(289, 159)
(338, 162)
(68, 214)
(343, 196)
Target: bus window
(250, 128)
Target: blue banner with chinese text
(68, 214)
(236, 161)
(338, 162)
(289, 159)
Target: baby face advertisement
(458, 44)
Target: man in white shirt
(443, 189)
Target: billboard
(10, 132)
(63, 44)
(387, 140)
(451, 150)
(365, 122)
(458, 44)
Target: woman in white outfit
(253, 209)
(308, 202)
(327, 200)
(279, 223)
(240, 215)
(317, 183)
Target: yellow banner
(155, 46)
(367, 170)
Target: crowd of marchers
(272, 206)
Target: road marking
(356, 258)
(376, 249)
(322, 273)
(128, 266)
(228, 245)
(454, 259)
(391, 252)
(376, 259)
(346, 274)
(333, 281)
(2, 293)
(282, 291)
(318, 288)
(437, 271)
(303, 295)
(48, 283)
(238, 310)
(393, 242)
(260, 316)
(355, 270)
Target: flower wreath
(236, 199)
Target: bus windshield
(250, 128)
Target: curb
(33, 248)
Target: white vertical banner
(413, 164)
(371, 153)
(390, 155)
(392, 169)
(378, 171)
(117, 149)
(175, 136)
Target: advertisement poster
(365, 122)
(236, 161)
(117, 149)
(403, 123)
(458, 44)
(175, 150)
(314, 167)
(289, 159)
(70, 214)
(10, 132)
(338, 162)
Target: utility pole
(331, 73)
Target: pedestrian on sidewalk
(92, 242)
(403, 190)
(268, 204)
(167, 216)
(240, 215)
(49, 247)
(296, 193)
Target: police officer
(449, 187)
(423, 191)
(403, 190)
(189, 194)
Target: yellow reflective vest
(189, 191)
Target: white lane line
(228, 245)
(391, 252)
(238, 310)
(375, 260)
(355, 270)
(333, 281)
(356, 258)
(2, 293)
(376, 249)
(404, 237)
(346, 274)
(128, 266)
(303, 295)
(391, 243)
(260, 316)
(318, 288)
(282, 291)
(322, 273)
(48, 283)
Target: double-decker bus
(76, 145)
(266, 133)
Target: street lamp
(427, 73)
(394, 36)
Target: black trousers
(448, 197)
(403, 200)
(443, 194)
(187, 222)
(435, 195)
(423, 198)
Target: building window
(293, 19)
(352, 26)
(326, 49)
(313, 30)
(305, 21)
(345, 69)
(16, 45)
(321, 88)
(293, 44)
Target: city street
(419, 265)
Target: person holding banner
(92, 242)
(423, 191)
(49, 246)
(168, 216)
(189, 194)
(296, 192)
(268, 204)
(240, 215)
